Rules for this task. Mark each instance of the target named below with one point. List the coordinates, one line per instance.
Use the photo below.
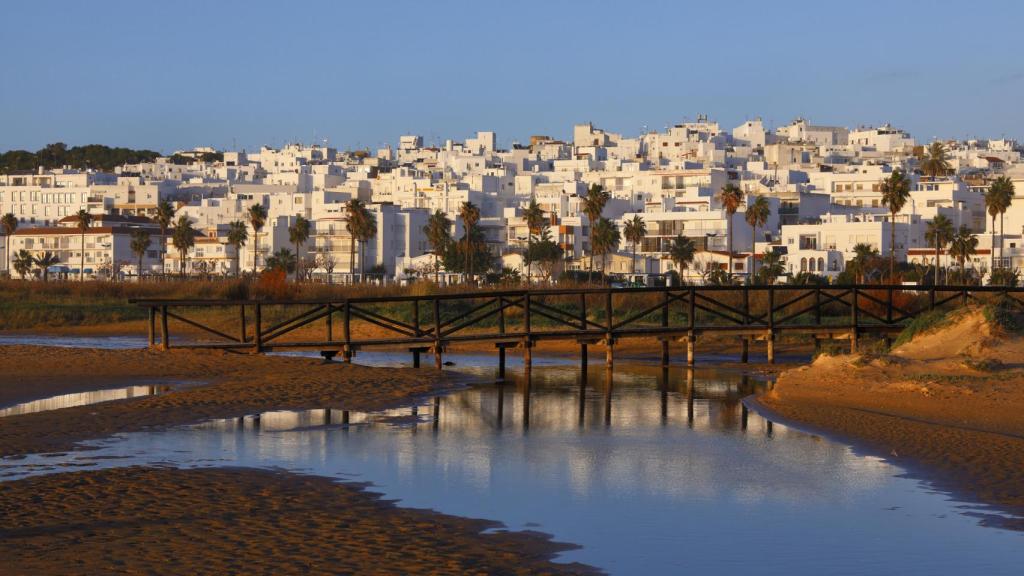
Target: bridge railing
(523, 317)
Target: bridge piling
(152, 327)
(691, 343)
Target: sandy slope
(932, 405)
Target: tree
(9, 223)
(593, 205)
(355, 212)
(895, 193)
(998, 199)
(470, 215)
(438, 233)
(238, 235)
(183, 237)
(23, 263)
(962, 246)
(604, 239)
(934, 163)
(282, 260)
(544, 252)
(44, 262)
(83, 220)
(534, 216)
(326, 261)
(454, 258)
(298, 233)
(862, 264)
(939, 233)
(366, 231)
(757, 215)
(731, 197)
(257, 215)
(164, 218)
(771, 267)
(139, 244)
(682, 251)
(634, 231)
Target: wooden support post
(416, 332)
(152, 326)
(415, 358)
(888, 307)
(528, 338)
(329, 322)
(854, 319)
(745, 350)
(257, 340)
(817, 306)
(771, 348)
(583, 358)
(771, 325)
(691, 343)
(501, 330)
(437, 334)
(609, 339)
(347, 329)
(527, 357)
(327, 416)
(689, 396)
(344, 416)
(165, 339)
(583, 325)
(609, 352)
(745, 341)
(931, 298)
(608, 385)
(664, 324)
(692, 314)
(242, 337)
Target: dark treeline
(95, 156)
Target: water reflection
(86, 398)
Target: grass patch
(1004, 314)
(923, 324)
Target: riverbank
(236, 385)
(946, 406)
(226, 521)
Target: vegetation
(8, 223)
(924, 323)
(283, 260)
(771, 268)
(865, 262)
(544, 252)
(298, 233)
(257, 216)
(731, 197)
(472, 239)
(998, 199)
(164, 218)
(935, 163)
(438, 233)
(938, 234)
(238, 235)
(58, 155)
(604, 239)
(534, 216)
(139, 244)
(593, 205)
(682, 252)
(895, 193)
(634, 231)
(183, 238)
(757, 215)
(962, 246)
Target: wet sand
(233, 521)
(926, 407)
(239, 384)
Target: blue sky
(168, 75)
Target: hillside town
(694, 203)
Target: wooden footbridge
(586, 316)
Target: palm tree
(366, 231)
(470, 215)
(298, 233)
(962, 246)
(283, 260)
(23, 263)
(935, 163)
(939, 233)
(183, 238)
(9, 223)
(164, 218)
(604, 238)
(83, 219)
(731, 197)
(438, 233)
(771, 266)
(634, 231)
(682, 251)
(139, 244)
(44, 262)
(998, 199)
(257, 218)
(863, 255)
(895, 193)
(534, 216)
(238, 235)
(593, 205)
(354, 214)
(757, 215)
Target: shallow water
(91, 397)
(658, 473)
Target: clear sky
(168, 75)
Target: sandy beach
(947, 406)
(234, 521)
